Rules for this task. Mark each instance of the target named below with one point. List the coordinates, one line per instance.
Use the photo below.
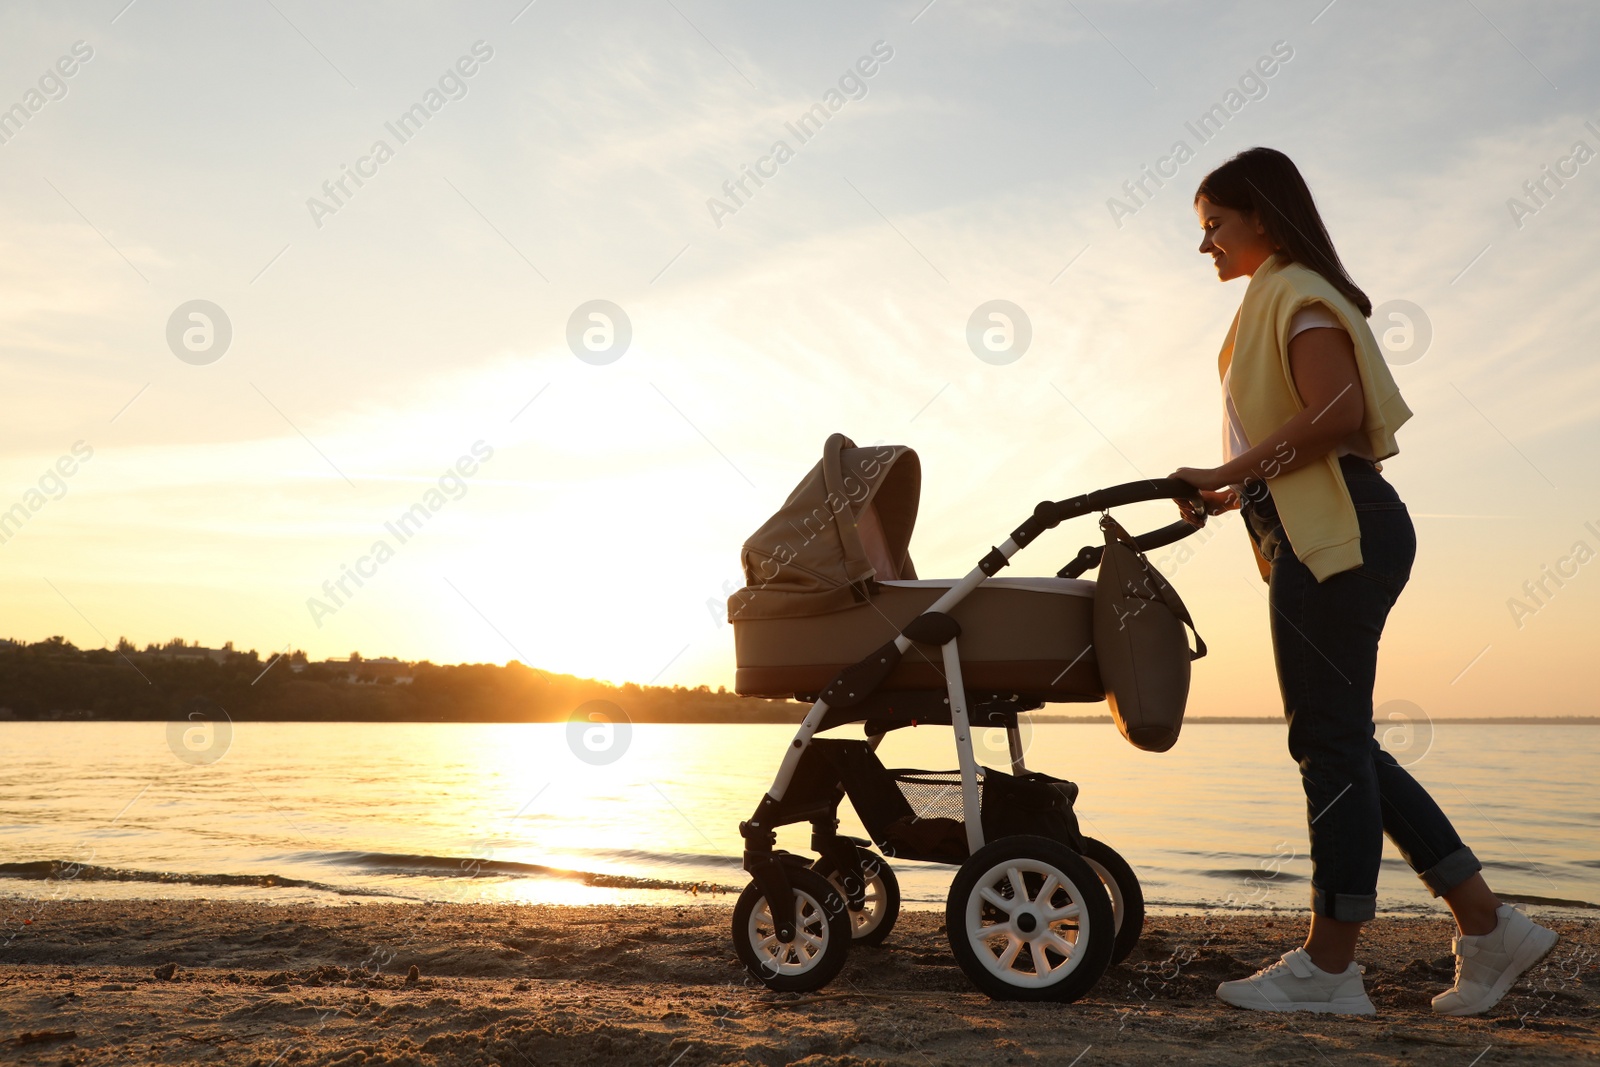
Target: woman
(1309, 409)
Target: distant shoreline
(53, 681)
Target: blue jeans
(1325, 644)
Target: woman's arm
(1322, 363)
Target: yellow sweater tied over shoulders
(1313, 501)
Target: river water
(339, 812)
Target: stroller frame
(854, 695)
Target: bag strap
(1169, 596)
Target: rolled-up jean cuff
(1344, 907)
(1450, 871)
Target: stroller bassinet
(1033, 637)
(829, 577)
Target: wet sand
(93, 982)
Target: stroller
(834, 614)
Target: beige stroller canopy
(846, 526)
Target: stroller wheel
(1127, 898)
(881, 904)
(1028, 919)
(820, 945)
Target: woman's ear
(1261, 231)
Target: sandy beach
(254, 984)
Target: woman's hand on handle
(1213, 488)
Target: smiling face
(1236, 241)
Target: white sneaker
(1294, 983)
(1488, 965)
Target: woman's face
(1236, 241)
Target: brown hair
(1266, 181)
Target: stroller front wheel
(1028, 919)
(821, 941)
(880, 905)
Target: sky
(415, 334)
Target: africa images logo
(452, 85)
(1252, 86)
(852, 85)
(451, 485)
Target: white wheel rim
(810, 937)
(1119, 905)
(866, 920)
(1054, 941)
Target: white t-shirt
(1234, 441)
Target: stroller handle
(1118, 495)
(1089, 555)
(1051, 513)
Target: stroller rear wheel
(1127, 898)
(880, 906)
(1028, 919)
(821, 941)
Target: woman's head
(1256, 204)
